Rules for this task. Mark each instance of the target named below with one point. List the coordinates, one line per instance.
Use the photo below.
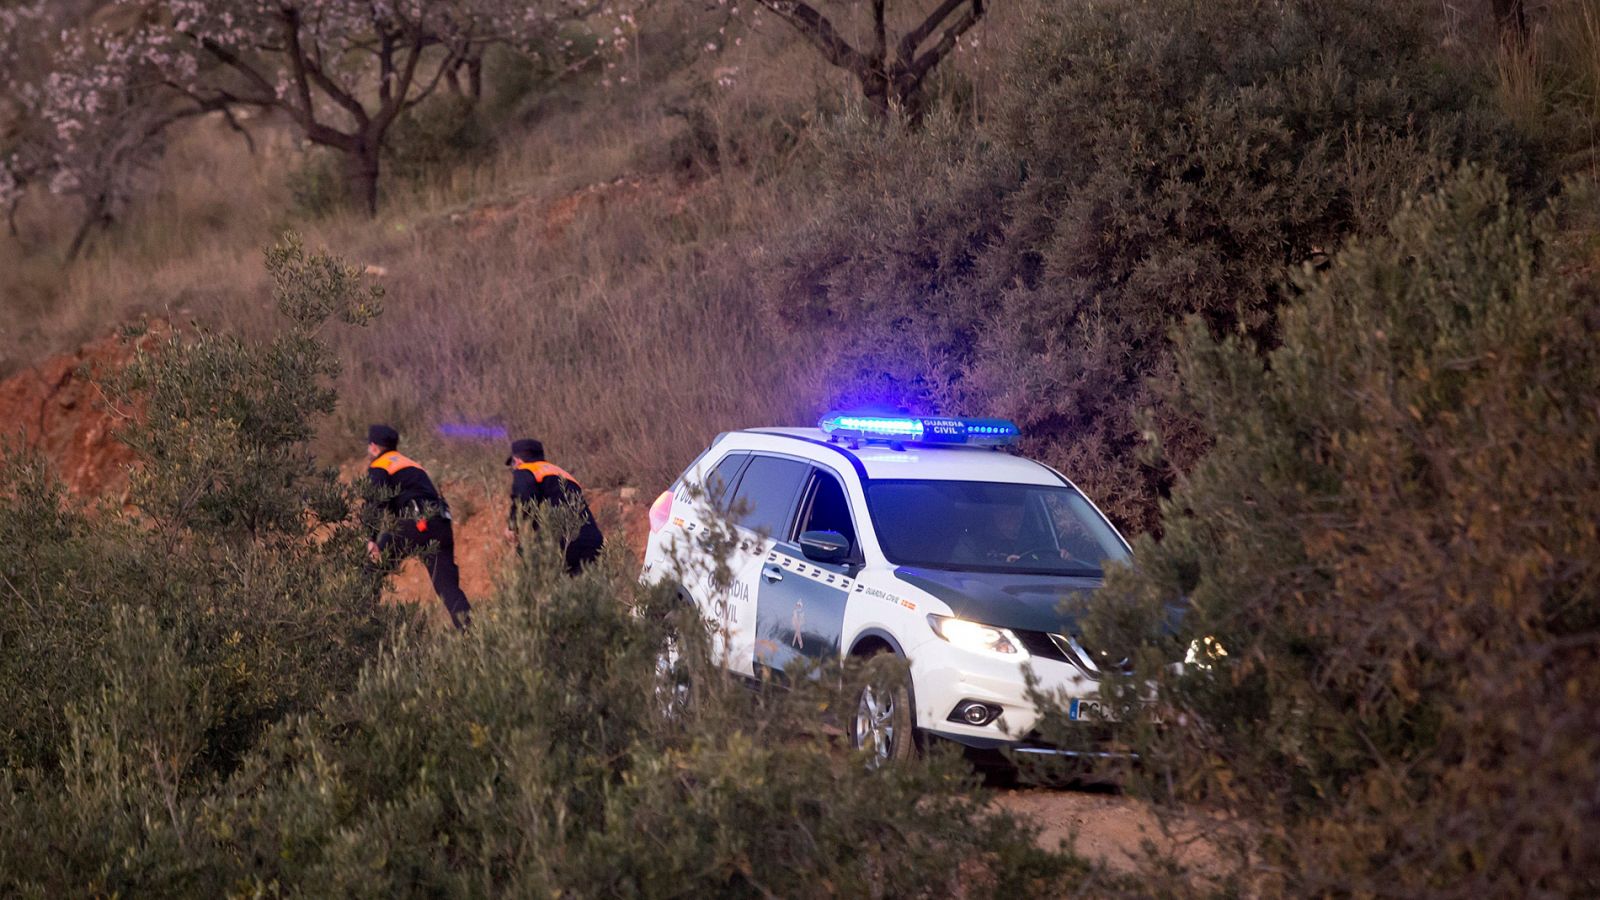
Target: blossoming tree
(343, 71)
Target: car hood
(1005, 600)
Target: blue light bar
(472, 432)
(921, 429)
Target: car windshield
(991, 527)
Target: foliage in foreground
(533, 756)
(233, 581)
(1394, 541)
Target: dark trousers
(584, 549)
(581, 550)
(436, 547)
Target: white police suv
(910, 535)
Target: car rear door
(801, 604)
(705, 510)
(762, 508)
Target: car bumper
(942, 680)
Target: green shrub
(535, 757)
(1394, 541)
(240, 549)
(1148, 160)
(446, 129)
(60, 562)
(318, 186)
(532, 756)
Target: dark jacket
(538, 483)
(402, 489)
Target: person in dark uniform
(421, 526)
(536, 483)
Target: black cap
(383, 436)
(527, 450)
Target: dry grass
(585, 283)
(1519, 73)
(1548, 84)
(1573, 37)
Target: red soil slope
(59, 408)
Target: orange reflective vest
(542, 469)
(391, 461)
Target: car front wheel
(881, 725)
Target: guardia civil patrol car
(917, 536)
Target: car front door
(801, 604)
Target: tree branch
(390, 110)
(914, 38)
(231, 60)
(450, 64)
(947, 42)
(385, 55)
(820, 32)
(305, 67)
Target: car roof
(915, 461)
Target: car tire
(881, 726)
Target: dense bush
(445, 130)
(145, 652)
(1147, 160)
(240, 551)
(533, 756)
(1394, 541)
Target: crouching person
(537, 484)
(420, 520)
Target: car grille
(1040, 644)
(1054, 646)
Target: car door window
(829, 510)
(1080, 531)
(764, 500)
(721, 480)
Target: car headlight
(978, 638)
(1203, 652)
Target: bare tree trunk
(1511, 18)
(887, 84)
(98, 214)
(362, 164)
(875, 88)
(474, 65)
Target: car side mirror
(824, 546)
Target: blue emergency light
(473, 432)
(920, 429)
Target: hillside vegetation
(1302, 294)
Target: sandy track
(1108, 827)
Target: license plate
(1086, 711)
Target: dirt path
(1107, 827)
